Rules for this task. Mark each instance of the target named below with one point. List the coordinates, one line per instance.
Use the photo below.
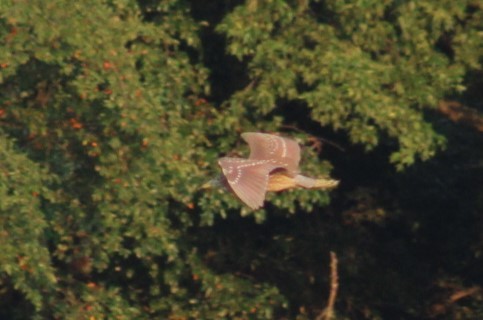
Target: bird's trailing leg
(279, 181)
(310, 183)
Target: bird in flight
(273, 165)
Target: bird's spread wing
(248, 178)
(267, 146)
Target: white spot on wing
(284, 148)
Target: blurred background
(114, 113)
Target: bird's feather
(267, 146)
(248, 178)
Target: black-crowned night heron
(273, 165)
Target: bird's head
(215, 183)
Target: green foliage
(369, 71)
(25, 262)
(107, 133)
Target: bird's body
(273, 165)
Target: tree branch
(328, 312)
(459, 113)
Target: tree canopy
(114, 113)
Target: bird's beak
(212, 184)
(207, 185)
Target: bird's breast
(279, 181)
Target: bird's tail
(319, 183)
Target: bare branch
(314, 138)
(328, 312)
(459, 113)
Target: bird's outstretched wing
(248, 178)
(271, 147)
